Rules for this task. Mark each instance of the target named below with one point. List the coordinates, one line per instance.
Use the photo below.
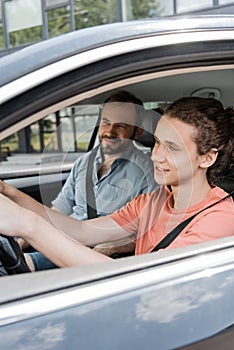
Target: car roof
(49, 51)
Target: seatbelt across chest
(169, 238)
(90, 196)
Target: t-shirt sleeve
(128, 216)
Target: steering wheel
(11, 257)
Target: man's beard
(122, 146)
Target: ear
(138, 132)
(208, 159)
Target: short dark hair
(128, 97)
(214, 126)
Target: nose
(158, 153)
(111, 129)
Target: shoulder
(82, 159)
(218, 194)
(217, 206)
(220, 216)
(139, 157)
(150, 198)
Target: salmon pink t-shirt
(151, 216)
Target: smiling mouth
(110, 141)
(161, 170)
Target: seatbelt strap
(90, 196)
(166, 241)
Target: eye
(172, 147)
(122, 126)
(104, 122)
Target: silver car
(178, 299)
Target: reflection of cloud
(42, 338)
(86, 309)
(163, 307)
(166, 305)
(210, 296)
(229, 280)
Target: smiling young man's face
(117, 127)
(175, 156)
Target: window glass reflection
(135, 9)
(23, 21)
(21, 14)
(94, 12)
(190, 5)
(59, 21)
(164, 7)
(67, 130)
(51, 3)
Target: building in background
(23, 22)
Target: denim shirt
(129, 176)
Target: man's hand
(121, 246)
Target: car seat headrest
(149, 122)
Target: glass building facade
(23, 22)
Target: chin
(160, 180)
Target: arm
(122, 246)
(89, 232)
(56, 209)
(44, 237)
(65, 200)
(55, 246)
(25, 201)
(22, 199)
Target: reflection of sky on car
(42, 337)
(190, 304)
(130, 316)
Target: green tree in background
(24, 36)
(95, 12)
(87, 13)
(59, 21)
(1, 38)
(145, 9)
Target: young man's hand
(121, 246)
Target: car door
(164, 300)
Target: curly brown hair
(214, 126)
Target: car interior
(50, 103)
(71, 129)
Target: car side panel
(190, 310)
